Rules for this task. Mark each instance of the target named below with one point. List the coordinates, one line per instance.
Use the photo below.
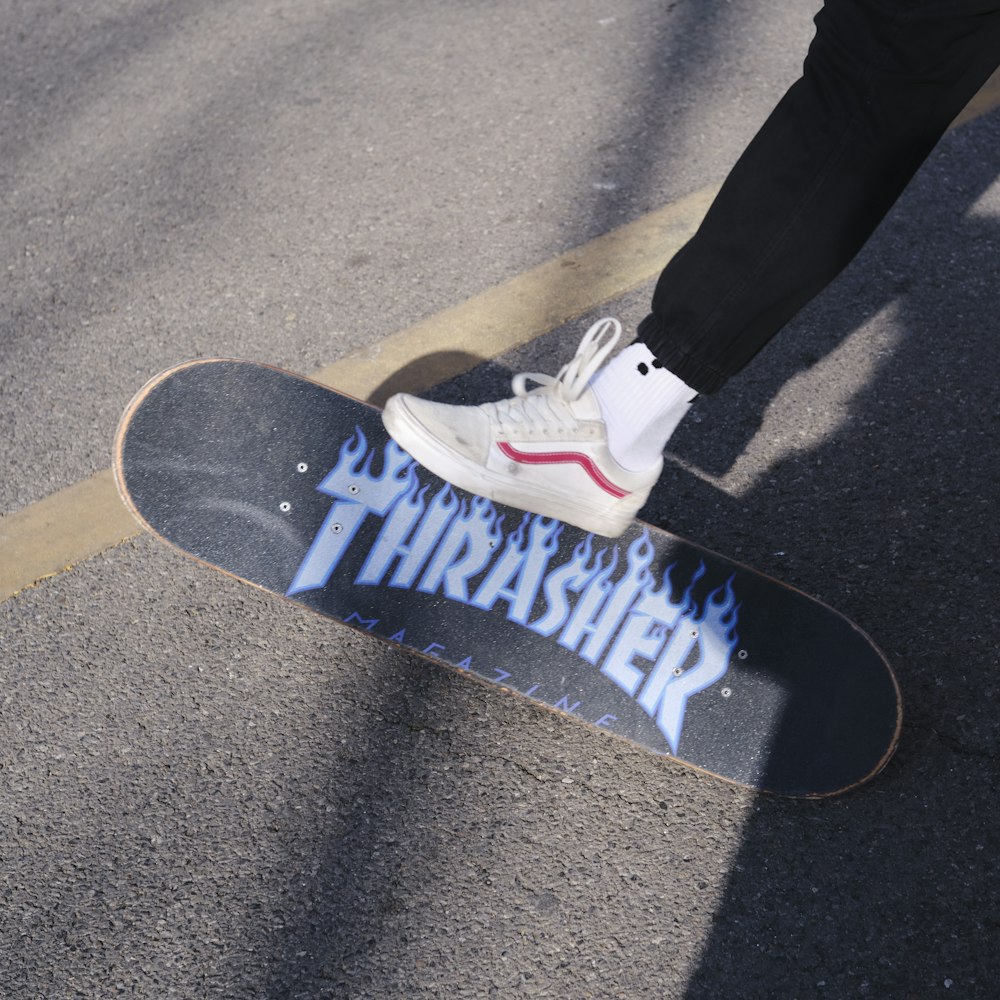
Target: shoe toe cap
(463, 429)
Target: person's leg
(882, 81)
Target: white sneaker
(544, 451)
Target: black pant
(882, 81)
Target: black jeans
(882, 81)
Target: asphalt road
(208, 793)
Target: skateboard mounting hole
(694, 633)
(726, 692)
(678, 671)
(284, 506)
(742, 654)
(302, 467)
(354, 489)
(337, 528)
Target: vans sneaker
(545, 450)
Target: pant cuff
(701, 376)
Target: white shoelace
(541, 404)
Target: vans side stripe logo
(562, 458)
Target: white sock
(642, 403)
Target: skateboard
(297, 489)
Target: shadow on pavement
(893, 888)
(420, 373)
(885, 515)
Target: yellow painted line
(986, 100)
(53, 534)
(67, 527)
(519, 310)
(56, 533)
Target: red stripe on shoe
(562, 458)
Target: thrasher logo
(609, 606)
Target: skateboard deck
(297, 489)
